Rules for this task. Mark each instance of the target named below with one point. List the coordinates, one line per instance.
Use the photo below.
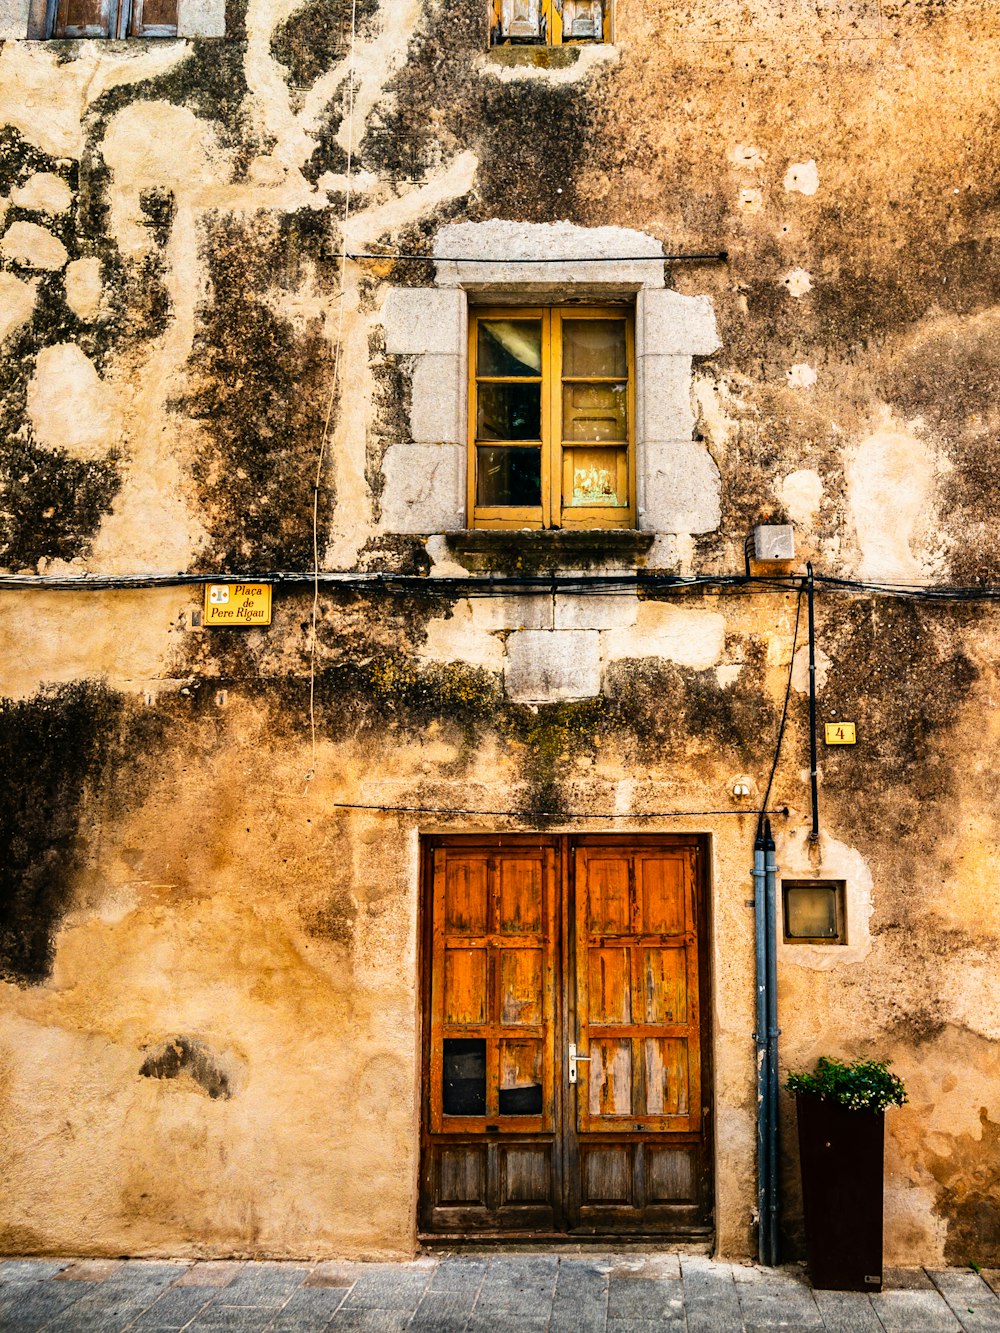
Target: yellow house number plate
(841, 733)
(237, 604)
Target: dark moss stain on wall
(318, 35)
(51, 504)
(967, 1195)
(531, 136)
(900, 670)
(187, 1056)
(59, 752)
(262, 396)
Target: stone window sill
(527, 551)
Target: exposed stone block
(515, 613)
(201, 18)
(600, 611)
(683, 490)
(438, 400)
(663, 397)
(544, 666)
(669, 324)
(688, 636)
(420, 320)
(495, 247)
(13, 20)
(424, 488)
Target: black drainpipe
(760, 1038)
(813, 758)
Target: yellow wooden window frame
(551, 12)
(556, 480)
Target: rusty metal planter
(842, 1158)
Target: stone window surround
(29, 19)
(677, 481)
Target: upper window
(551, 413)
(549, 22)
(115, 18)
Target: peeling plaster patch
(802, 495)
(798, 282)
(711, 397)
(750, 201)
(797, 859)
(455, 638)
(889, 484)
(43, 95)
(689, 638)
(800, 670)
(801, 376)
(44, 192)
(728, 675)
(802, 177)
(47, 640)
(970, 994)
(84, 288)
(70, 406)
(157, 146)
(31, 246)
(750, 159)
(17, 303)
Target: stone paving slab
(567, 1292)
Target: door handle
(574, 1060)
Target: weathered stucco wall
(209, 1008)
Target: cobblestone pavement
(579, 1293)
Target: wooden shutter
(154, 18)
(84, 18)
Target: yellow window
(549, 22)
(551, 418)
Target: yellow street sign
(237, 604)
(841, 733)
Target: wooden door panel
(465, 993)
(521, 987)
(661, 898)
(666, 1069)
(642, 1076)
(663, 985)
(521, 904)
(610, 986)
(465, 895)
(509, 1148)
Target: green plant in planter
(865, 1085)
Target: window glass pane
(509, 412)
(595, 412)
(811, 913)
(520, 1078)
(509, 477)
(596, 477)
(595, 348)
(464, 1082)
(510, 347)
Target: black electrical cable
(719, 256)
(784, 718)
(545, 814)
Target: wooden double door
(565, 1060)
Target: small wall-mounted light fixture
(741, 790)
